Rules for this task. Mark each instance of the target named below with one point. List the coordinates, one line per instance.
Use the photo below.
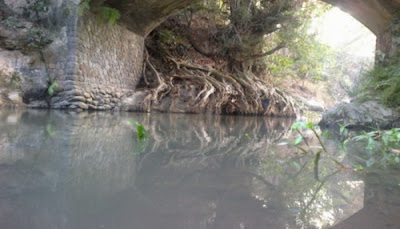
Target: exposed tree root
(202, 89)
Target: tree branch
(197, 47)
(272, 51)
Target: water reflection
(381, 202)
(78, 170)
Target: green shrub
(84, 6)
(51, 88)
(110, 15)
(105, 14)
(386, 79)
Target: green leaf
(398, 135)
(141, 131)
(361, 137)
(51, 88)
(247, 135)
(343, 128)
(359, 167)
(326, 133)
(310, 125)
(50, 91)
(298, 140)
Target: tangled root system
(192, 88)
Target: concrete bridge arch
(377, 15)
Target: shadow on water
(77, 170)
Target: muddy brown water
(66, 170)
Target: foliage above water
(386, 79)
(380, 149)
(383, 81)
(51, 88)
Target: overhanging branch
(270, 52)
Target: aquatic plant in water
(141, 131)
(142, 138)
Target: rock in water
(364, 115)
(315, 106)
(14, 97)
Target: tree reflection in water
(69, 170)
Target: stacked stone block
(105, 66)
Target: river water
(66, 170)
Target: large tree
(244, 27)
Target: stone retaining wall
(106, 63)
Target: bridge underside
(144, 16)
(380, 16)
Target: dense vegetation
(245, 32)
(383, 81)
